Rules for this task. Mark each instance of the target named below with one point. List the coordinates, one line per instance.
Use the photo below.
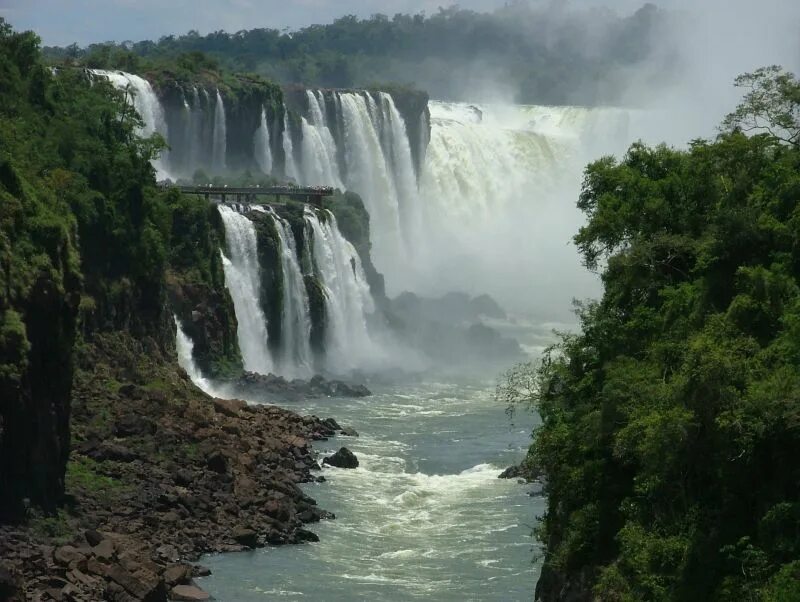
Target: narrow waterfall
(261, 145)
(220, 140)
(348, 300)
(290, 167)
(242, 278)
(143, 98)
(185, 348)
(295, 353)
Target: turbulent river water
(424, 516)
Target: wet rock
(343, 458)
(349, 432)
(246, 537)
(188, 593)
(278, 388)
(524, 471)
(303, 535)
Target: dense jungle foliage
(86, 241)
(670, 433)
(533, 53)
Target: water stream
(424, 516)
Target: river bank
(159, 474)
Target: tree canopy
(535, 53)
(670, 431)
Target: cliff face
(39, 293)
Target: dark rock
(526, 471)
(246, 537)
(93, 537)
(10, 586)
(217, 462)
(343, 458)
(111, 451)
(303, 535)
(131, 425)
(349, 432)
(200, 571)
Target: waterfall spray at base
(295, 356)
(185, 348)
(348, 300)
(243, 279)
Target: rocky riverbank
(159, 474)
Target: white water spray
(242, 278)
(220, 142)
(348, 300)
(261, 145)
(295, 356)
(185, 348)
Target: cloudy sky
(61, 22)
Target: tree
(771, 104)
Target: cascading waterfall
(295, 352)
(185, 348)
(348, 300)
(320, 166)
(261, 144)
(220, 136)
(369, 174)
(242, 278)
(146, 103)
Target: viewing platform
(253, 194)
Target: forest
(670, 431)
(520, 52)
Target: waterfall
(320, 165)
(369, 175)
(220, 142)
(143, 98)
(243, 280)
(295, 353)
(290, 168)
(185, 348)
(348, 300)
(401, 166)
(261, 145)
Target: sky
(61, 22)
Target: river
(424, 516)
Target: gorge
(274, 325)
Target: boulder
(246, 537)
(349, 432)
(343, 458)
(188, 593)
(65, 555)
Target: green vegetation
(670, 433)
(538, 53)
(83, 473)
